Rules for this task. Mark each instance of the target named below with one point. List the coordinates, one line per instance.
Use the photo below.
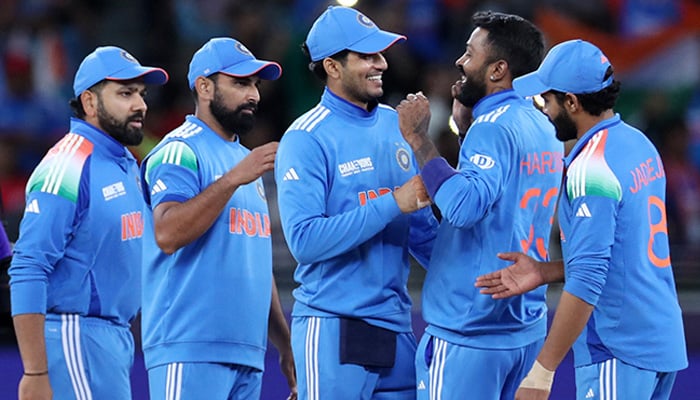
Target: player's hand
(35, 388)
(412, 195)
(531, 394)
(520, 277)
(414, 117)
(260, 160)
(289, 371)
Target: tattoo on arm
(424, 150)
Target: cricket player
(76, 272)
(351, 206)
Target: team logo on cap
(403, 158)
(362, 19)
(243, 49)
(128, 57)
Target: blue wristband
(434, 173)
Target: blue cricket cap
(344, 28)
(574, 66)
(229, 57)
(115, 64)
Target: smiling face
(473, 65)
(357, 78)
(120, 109)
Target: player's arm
(48, 221)
(569, 320)
(180, 220)
(414, 120)
(312, 233)
(278, 333)
(29, 330)
(589, 242)
(523, 275)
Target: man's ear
(332, 67)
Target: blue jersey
(79, 245)
(336, 168)
(501, 199)
(210, 300)
(615, 246)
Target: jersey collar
(103, 142)
(604, 124)
(349, 110)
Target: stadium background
(653, 44)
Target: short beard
(564, 126)
(233, 121)
(120, 130)
(472, 90)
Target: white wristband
(538, 378)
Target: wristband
(36, 373)
(538, 378)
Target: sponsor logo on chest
(356, 166)
(113, 191)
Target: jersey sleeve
(171, 173)
(484, 162)
(594, 193)
(302, 185)
(422, 233)
(56, 195)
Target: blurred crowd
(42, 42)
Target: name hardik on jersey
(502, 199)
(81, 231)
(615, 246)
(209, 301)
(335, 170)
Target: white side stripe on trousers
(608, 380)
(173, 381)
(311, 357)
(437, 368)
(73, 354)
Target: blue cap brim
(376, 42)
(150, 75)
(267, 70)
(529, 85)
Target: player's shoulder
(589, 172)
(311, 121)
(61, 169)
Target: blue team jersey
(335, 170)
(210, 300)
(615, 245)
(79, 246)
(502, 199)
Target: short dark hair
(317, 66)
(77, 106)
(597, 102)
(513, 39)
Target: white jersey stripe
(65, 163)
(72, 351)
(437, 368)
(302, 121)
(62, 157)
(317, 120)
(312, 334)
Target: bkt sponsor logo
(372, 194)
(245, 222)
(132, 226)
